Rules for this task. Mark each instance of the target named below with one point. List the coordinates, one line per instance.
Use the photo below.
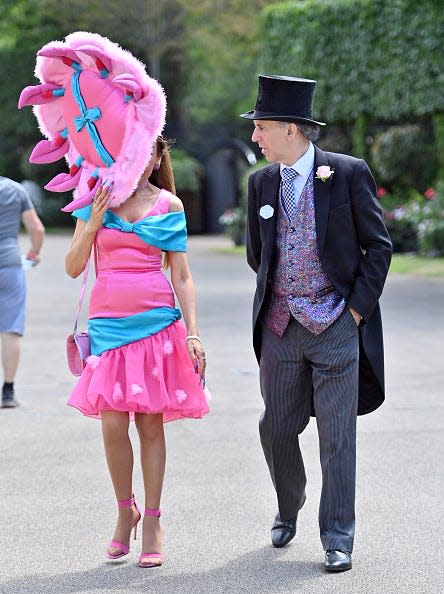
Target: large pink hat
(99, 108)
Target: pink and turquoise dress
(139, 362)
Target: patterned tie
(288, 176)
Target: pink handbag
(78, 347)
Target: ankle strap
(153, 512)
(126, 502)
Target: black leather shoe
(337, 560)
(282, 531)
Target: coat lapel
(270, 196)
(322, 192)
(270, 192)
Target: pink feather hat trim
(100, 110)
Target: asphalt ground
(57, 510)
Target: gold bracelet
(193, 338)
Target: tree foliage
(371, 57)
(22, 31)
(223, 49)
(203, 52)
(149, 28)
(152, 30)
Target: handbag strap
(82, 290)
(82, 295)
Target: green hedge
(402, 157)
(381, 58)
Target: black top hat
(284, 99)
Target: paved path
(56, 505)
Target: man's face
(272, 138)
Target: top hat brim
(261, 115)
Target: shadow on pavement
(255, 572)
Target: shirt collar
(304, 164)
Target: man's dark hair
(310, 131)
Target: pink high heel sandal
(143, 559)
(123, 549)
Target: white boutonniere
(323, 172)
(266, 212)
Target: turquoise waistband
(108, 333)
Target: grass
(235, 249)
(401, 263)
(417, 265)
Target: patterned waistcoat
(300, 286)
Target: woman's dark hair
(163, 177)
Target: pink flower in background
(323, 172)
(229, 217)
(430, 194)
(399, 213)
(381, 192)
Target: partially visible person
(16, 208)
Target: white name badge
(266, 212)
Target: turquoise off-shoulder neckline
(165, 231)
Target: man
(318, 244)
(16, 207)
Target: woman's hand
(99, 207)
(33, 256)
(197, 355)
(85, 233)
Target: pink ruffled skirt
(153, 375)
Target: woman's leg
(152, 457)
(10, 342)
(10, 355)
(119, 456)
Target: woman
(16, 207)
(147, 365)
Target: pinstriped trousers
(292, 369)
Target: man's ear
(292, 129)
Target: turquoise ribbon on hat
(91, 115)
(167, 232)
(87, 121)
